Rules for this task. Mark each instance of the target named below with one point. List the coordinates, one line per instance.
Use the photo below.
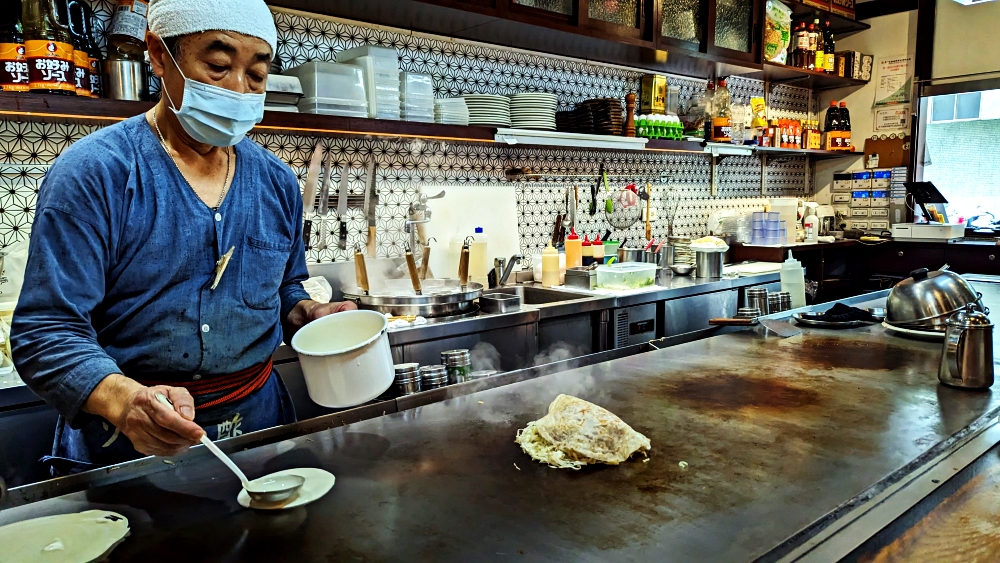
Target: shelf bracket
(763, 175)
(719, 151)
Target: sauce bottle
(597, 247)
(127, 34)
(819, 63)
(550, 266)
(94, 55)
(13, 63)
(586, 252)
(845, 125)
(574, 246)
(48, 46)
(722, 118)
(81, 58)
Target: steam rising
(485, 356)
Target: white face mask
(213, 115)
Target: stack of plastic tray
(380, 66)
(416, 100)
(331, 89)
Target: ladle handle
(212, 447)
(361, 271)
(425, 261)
(411, 264)
(463, 266)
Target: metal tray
(814, 320)
(441, 298)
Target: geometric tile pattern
(406, 166)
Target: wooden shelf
(815, 154)
(671, 145)
(804, 78)
(841, 26)
(44, 107)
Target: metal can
(458, 364)
(432, 377)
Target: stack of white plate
(533, 110)
(451, 111)
(488, 109)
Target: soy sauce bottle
(13, 63)
(94, 55)
(81, 58)
(48, 45)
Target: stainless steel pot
(125, 80)
(441, 298)
(926, 300)
(630, 255)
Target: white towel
(171, 18)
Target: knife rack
(353, 200)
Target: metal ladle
(267, 489)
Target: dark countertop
(776, 433)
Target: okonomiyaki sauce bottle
(48, 46)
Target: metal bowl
(440, 298)
(681, 269)
(925, 300)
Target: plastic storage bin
(628, 275)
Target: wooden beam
(876, 8)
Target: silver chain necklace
(225, 184)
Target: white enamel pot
(345, 358)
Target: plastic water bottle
(793, 280)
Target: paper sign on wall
(894, 80)
(892, 118)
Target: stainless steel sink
(531, 295)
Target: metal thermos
(967, 357)
(125, 80)
(756, 298)
(708, 264)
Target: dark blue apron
(97, 443)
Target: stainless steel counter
(779, 435)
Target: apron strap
(234, 386)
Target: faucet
(418, 214)
(502, 268)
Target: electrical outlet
(652, 214)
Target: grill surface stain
(726, 390)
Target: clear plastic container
(416, 83)
(333, 106)
(331, 80)
(628, 275)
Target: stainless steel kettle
(967, 357)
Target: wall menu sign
(893, 81)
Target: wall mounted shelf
(775, 73)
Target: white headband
(172, 18)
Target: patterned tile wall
(405, 166)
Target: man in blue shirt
(166, 256)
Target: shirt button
(218, 216)
(205, 328)
(196, 376)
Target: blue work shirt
(122, 259)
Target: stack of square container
(380, 66)
(331, 89)
(767, 228)
(416, 100)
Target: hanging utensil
(781, 328)
(425, 259)
(345, 176)
(593, 190)
(411, 266)
(645, 195)
(369, 182)
(361, 270)
(463, 264)
(324, 200)
(309, 193)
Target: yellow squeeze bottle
(574, 250)
(550, 266)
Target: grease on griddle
(725, 390)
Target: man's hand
(307, 311)
(154, 428)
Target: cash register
(926, 194)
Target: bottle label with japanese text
(81, 73)
(130, 19)
(95, 76)
(722, 129)
(13, 68)
(50, 65)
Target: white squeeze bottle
(478, 258)
(550, 266)
(793, 280)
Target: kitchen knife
(324, 199)
(345, 176)
(369, 207)
(309, 192)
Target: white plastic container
(479, 267)
(793, 280)
(625, 276)
(330, 80)
(345, 358)
(550, 266)
(788, 210)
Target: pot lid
(970, 317)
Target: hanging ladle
(268, 489)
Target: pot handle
(952, 344)
(919, 274)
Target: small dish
(317, 483)
(681, 269)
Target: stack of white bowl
(416, 100)
(533, 110)
(451, 111)
(380, 66)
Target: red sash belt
(235, 385)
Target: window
(962, 154)
(954, 107)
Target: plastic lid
(791, 260)
(833, 103)
(597, 239)
(843, 104)
(573, 235)
(479, 230)
(586, 241)
(722, 82)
